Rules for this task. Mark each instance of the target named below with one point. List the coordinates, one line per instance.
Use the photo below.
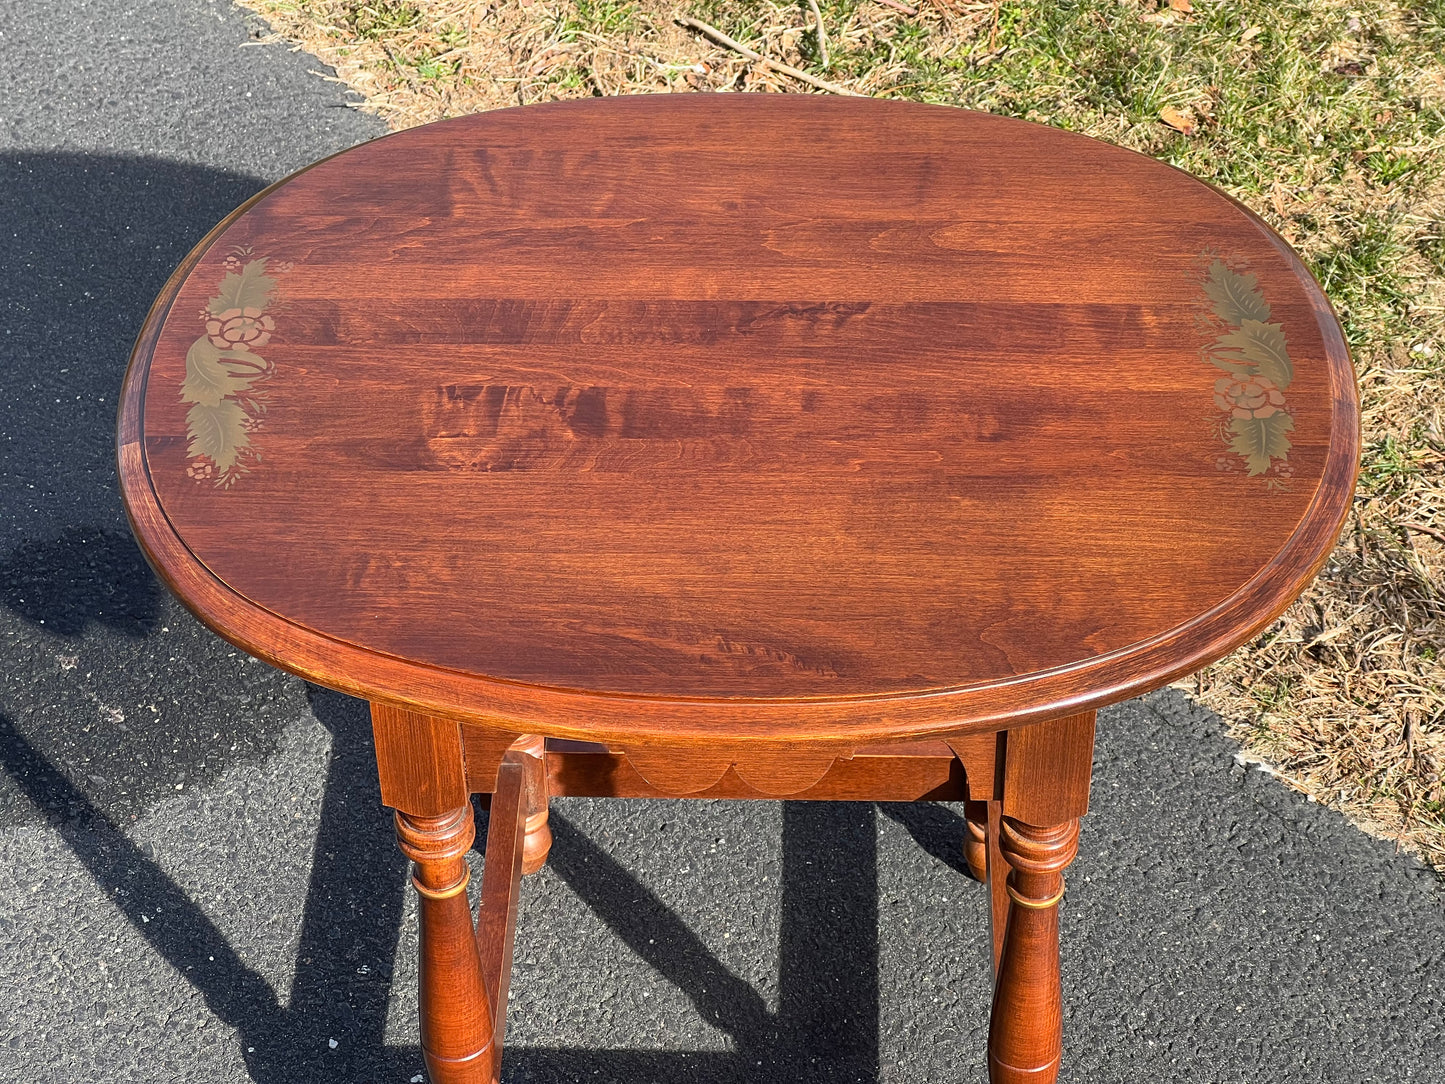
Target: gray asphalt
(197, 881)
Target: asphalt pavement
(198, 882)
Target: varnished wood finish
(483, 751)
(639, 447)
(501, 882)
(1025, 1037)
(465, 966)
(539, 835)
(996, 872)
(984, 857)
(419, 759)
(1047, 769)
(456, 1015)
(882, 773)
(643, 420)
(975, 840)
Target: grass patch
(379, 19)
(1326, 117)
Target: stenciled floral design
(1255, 420)
(223, 370)
(240, 329)
(1250, 397)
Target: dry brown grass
(1343, 697)
(1325, 118)
(511, 53)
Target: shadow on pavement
(938, 830)
(83, 577)
(353, 911)
(826, 1029)
(88, 241)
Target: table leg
(986, 863)
(997, 869)
(1025, 1039)
(1046, 769)
(975, 840)
(465, 966)
(539, 834)
(456, 1018)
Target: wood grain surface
(741, 415)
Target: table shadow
(89, 241)
(826, 1027)
(937, 830)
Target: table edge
(621, 717)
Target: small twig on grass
(896, 6)
(787, 69)
(1434, 532)
(822, 36)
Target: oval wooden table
(740, 446)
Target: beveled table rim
(644, 718)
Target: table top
(739, 415)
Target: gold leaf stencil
(1256, 420)
(1260, 440)
(1260, 346)
(218, 433)
(1236, 297)
(223, 367)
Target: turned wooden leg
(456, 1017)
(975, 839)
(985, 862)
(465, 966)
(998, 872)
(1046, 769)
(1025, 1038)
(538, 842)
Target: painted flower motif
(1254, 423)
(240, 329)
(1248, 396)
(224, 369)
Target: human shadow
(89, 241)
